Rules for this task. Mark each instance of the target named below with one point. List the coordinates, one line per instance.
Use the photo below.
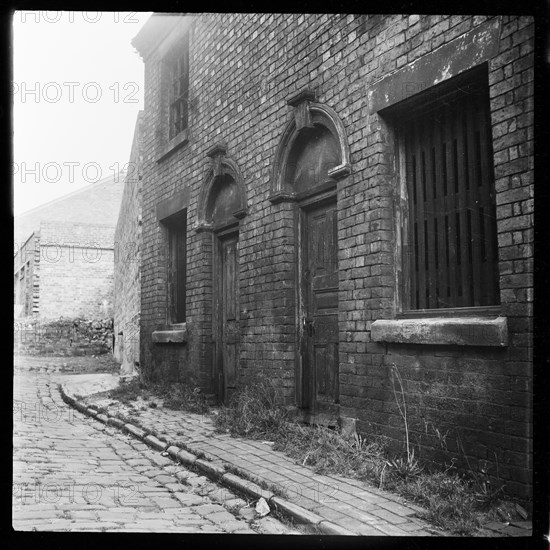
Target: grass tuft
(182, 397)
(128, 391)
(453, 502)
(450, 501)
(253, 412)
(176, 396)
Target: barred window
(451, 246)
(178, 75)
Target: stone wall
(471, 404)
(127, 278)
(65, 337)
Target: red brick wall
(243, 69)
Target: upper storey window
(178, 78)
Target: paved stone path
(346, 502)
(349, 503)
(72, 473)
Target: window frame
(432, 99)
(176, 267)
(170, 142)
(179, 55)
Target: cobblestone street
(72, 473)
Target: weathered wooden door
(226, 303)
(319, 293)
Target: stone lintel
(463, 53)
(458, 331)
(174, 205)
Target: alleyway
(72, 473)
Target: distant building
(343, 204)
(64, 253)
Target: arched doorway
(313, 155)
(311, 158)
(221, 207)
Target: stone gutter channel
(215, 472)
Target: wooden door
(319, 292)
(227, 315)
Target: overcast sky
(78, 86)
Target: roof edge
(72, 193)
(154, 30)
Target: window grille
(452, 242)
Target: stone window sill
(458, 331)
(179, 141)
(173, 334)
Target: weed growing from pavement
(254, 412)
(128, 391)
(404, 467)
(175, 396)
(183, 397)
(454, 502)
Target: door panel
(320, 298)
(228, 334)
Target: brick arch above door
(311, 120)
(222, 183)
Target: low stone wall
(63, 336)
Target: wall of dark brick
(243, 69)
(479, 397)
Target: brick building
(64, 253)
(127, 273)
(343, 204)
